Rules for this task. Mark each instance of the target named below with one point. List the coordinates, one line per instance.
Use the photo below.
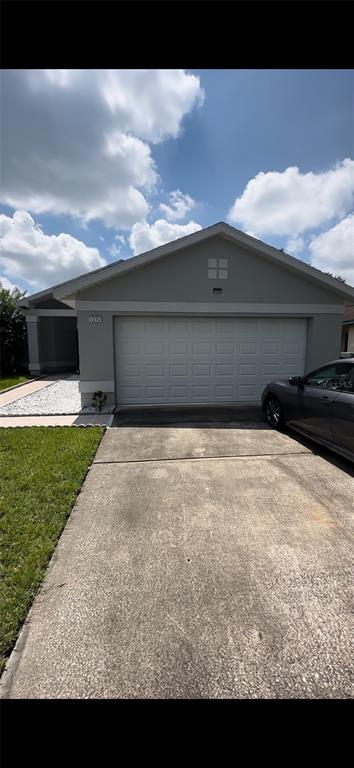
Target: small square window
(217, 269)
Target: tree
(13, 332)
(336, 277)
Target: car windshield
(338, 376)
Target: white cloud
(333, 251)
(75, 141)
(295, 245)
(180, 205)
(39, 259)
(5, 283)
(291, 202)
(144, 236)
(151, 103)
(115, 250)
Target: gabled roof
(71, 287)
(48, 293)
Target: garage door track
(205, 561)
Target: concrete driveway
(206, 561)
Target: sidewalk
(71, 420)
(29, 388)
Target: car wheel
(274, 413)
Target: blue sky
(89, 157)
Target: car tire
(274, 412)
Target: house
(347, 344)
(209, 318)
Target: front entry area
(201, 360)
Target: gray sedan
(320, 405)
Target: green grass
(41, 472)
(12, 380)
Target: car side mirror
(296, 381)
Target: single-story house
(209, 318)
(348, 330)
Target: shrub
(99, 400)
(13, 333)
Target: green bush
(13, 333)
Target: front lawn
(41, 472)
(11, 381)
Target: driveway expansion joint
(202, 458)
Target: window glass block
(212, 274)
(223, 263)
(212, 263)
(222, 274)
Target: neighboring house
(348, 329)
(209, 318)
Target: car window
(338, 376)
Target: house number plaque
(95, 319)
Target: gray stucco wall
(96, 347)
(184, 277)
(323, 340)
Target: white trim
(192, 308)
(32, 318)
(34, 366)
(34, 313)
(231, 233)
(86, 387)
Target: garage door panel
(201, 370)
(225, 348)
(203, 348)
(225, 390)
(179, 391)
(248, 348)
(270, 348)
(155, 370)
(201, 392)
(178, 369)
(270, 369)
(291, 348)
(210, 360)
(224, 369)
(248, 327)
(246, 370)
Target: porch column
(33, 344)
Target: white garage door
(204, 360)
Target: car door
(314, 402)
(342, 421)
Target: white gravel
(58, 398)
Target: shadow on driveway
(190, 416)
